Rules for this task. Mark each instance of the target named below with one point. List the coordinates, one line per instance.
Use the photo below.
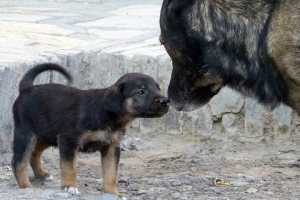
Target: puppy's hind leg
(68, 150)
(110, 157)
(23, 144)
(36, 164)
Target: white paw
(49, 178)
(72, 191)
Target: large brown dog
(250, 46)
(90, 120)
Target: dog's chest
(103, 136)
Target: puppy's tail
(27, 80)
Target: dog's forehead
(138, 80)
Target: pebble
(62, 194)
(239, 183)
(127, 143)
(176, 195)
(106, 196)
(133, 187)
(140, 192)
(124, 179)
(251, 190)
(186, 187)
(176, 183)
(4, 178)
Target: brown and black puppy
(63, 116)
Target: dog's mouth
(156, 110)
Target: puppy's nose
(163, 101)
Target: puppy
(58, 115)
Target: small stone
(7, 168)
(239, 183)
(140, 192)
(133, 187)
(4, 178)
(106, 196)
(62, 194)
(127, 143)
(176, 195)
(251, 190)
(186, 187)
(176, 183)
(124, 179)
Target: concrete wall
(228, 116)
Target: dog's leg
(36, 164)
(110, 157)
(23, 143)
(68, 151)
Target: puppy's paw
(72, 191)
(122, 196)
(48, 178)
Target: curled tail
(27, 80)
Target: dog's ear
(114, 100)
(173, 8)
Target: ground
(161, 167)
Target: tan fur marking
(99, 135)
(35, 161)
(109, 170)
(129, 105)
(22, 176)
(21, 170)
(68, 173)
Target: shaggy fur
(250, 46)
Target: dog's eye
(141, 92)
(161, 40)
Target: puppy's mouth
(157, 110)
(153, 114)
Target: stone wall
(228, 116)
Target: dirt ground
(165, 167)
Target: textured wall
(228, 116)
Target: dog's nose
(163, 101)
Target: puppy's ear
(113, 99)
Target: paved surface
(32, 30)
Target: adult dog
(54, 114)
(250, 46)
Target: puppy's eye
(141, 92)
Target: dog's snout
(163, 101)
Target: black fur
(27, 81)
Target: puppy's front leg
(110, 157)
